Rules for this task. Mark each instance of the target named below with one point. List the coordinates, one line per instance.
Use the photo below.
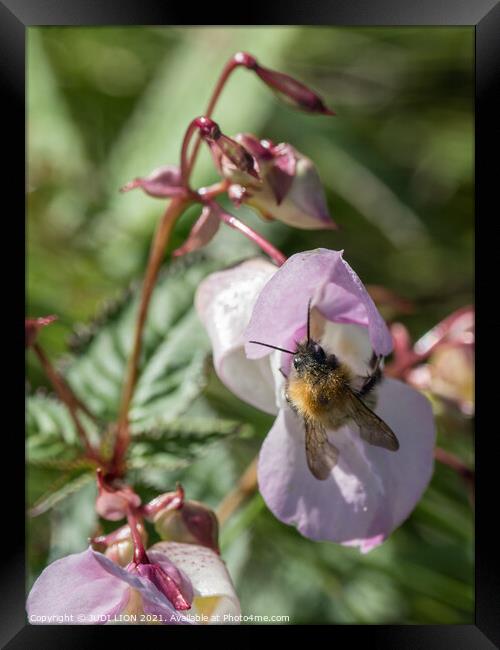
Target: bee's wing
(321, 455)
(372, 428)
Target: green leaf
(174, 445)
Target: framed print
(251, 273)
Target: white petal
(224, 302)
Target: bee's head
(311, 355)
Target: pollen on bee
(306, 398)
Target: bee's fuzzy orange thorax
(315, 399)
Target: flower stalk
(159, 243)
(66, 396)
(233, 222)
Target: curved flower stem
(160, 240)
(245, 487)
(66, 396)
(226, 72)
(185, 166)
(233, 222)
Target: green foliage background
(109, 104)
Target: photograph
(250, 325)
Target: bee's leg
(372, 379)
(282, 372)
(374, 361)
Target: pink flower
(371, 491)
(180, 584)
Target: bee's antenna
(309, 320)
(274, 347)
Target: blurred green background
(109, 104)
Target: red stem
(185, 163)
(66, 396)
(233, 222)
(226, 72)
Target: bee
(327, 395)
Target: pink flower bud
(289, 89)
(190, 523)
(33, 325)
(113, 503)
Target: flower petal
(280, 313)
(213, 588)
(370, 492)
(224, 302)
(75, 586)
(304, 203)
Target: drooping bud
(289, 89)
(291, 190)
(33, 325)
(161, 183)
(113, 503)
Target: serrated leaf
(182, 439)
(175, 346)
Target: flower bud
(228, 150)
(289, 89)
(290, 191)
(113, 503)
(190, 523)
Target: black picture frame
(484, 15)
